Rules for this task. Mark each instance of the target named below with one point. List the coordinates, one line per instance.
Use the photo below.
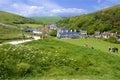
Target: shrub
(23, 68)
(53, 33)
(112, 39)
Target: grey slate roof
(69, 34)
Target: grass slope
(30, 25)
(94, 42)
(50, 58)
(7, 34)
(10, 18)
(46, 20)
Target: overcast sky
(31, 8)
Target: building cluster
(42, 31)
(69, 33)
(51, 26)
(106, 35)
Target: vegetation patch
(104, 20)
(53, 58)
(7, 34)
(46, 20)
(29, 25)
(92, 42)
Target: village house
(45, 31)
(37, 31)
(83, 33)
(27, 29)
(106, 35)
(97, 34)
(67, 33)
(118, 37)
(51, 26)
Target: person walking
(23, 37)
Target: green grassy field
(9, 34)
(94, 42)
(46, 19)
(30, 25)
(55, 59)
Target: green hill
(62, 60)
(104, 20)
(8, 34)
(11, 24)
(10, 18)
(46, 19)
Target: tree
(112, 39)
(53, 33)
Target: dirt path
(18, 42)
(21, 41)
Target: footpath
(21, 41)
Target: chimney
(62, 31)
(75, 30)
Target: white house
(97, 34)
(36, 31)
(83, 33)
(51, 26)
(67, 33)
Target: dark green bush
(53, 33)
(112, 39)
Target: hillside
(45, 20)
(8, 34)
(10, 18)
(38, 59)
(104, 20)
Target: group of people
(113, 49)
(24, 37)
